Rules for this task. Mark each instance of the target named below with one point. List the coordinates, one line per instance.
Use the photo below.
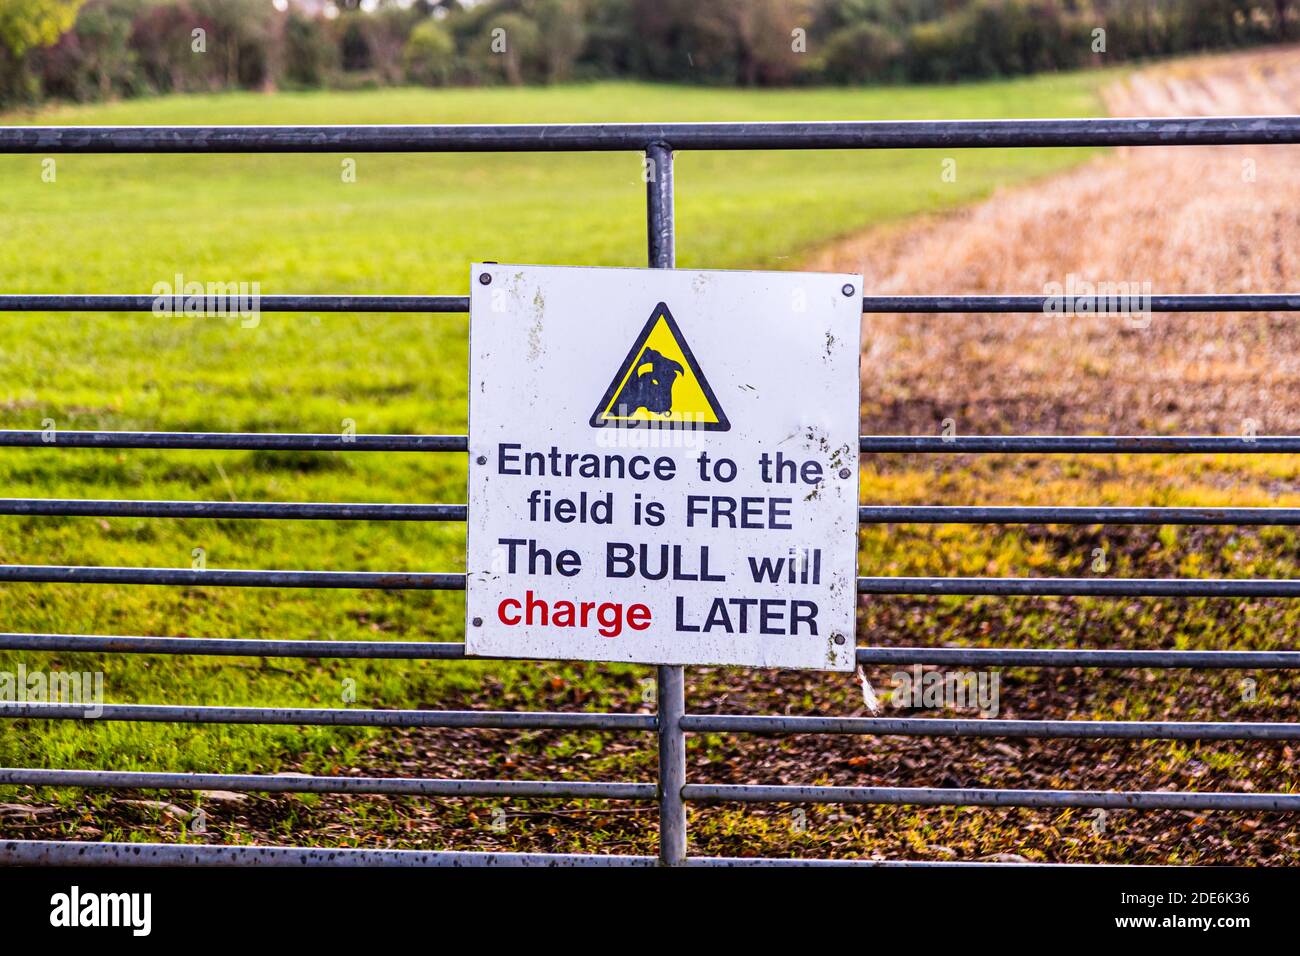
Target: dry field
(1186, 221)
(1196, 220)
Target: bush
(244, 39)
(510, 44)
(562, 36)
(933, 52)
(26, 26)
(996, 38)
(861, 53)
(310, 54)
(430, 55)
(94, 59)
(164, 38)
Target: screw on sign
(663, 466)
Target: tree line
(87, 50)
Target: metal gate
(671, 723)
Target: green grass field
(409, 224)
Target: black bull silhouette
(651, 385)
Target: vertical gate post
(672, 765)
(659, 206)
(671, 690)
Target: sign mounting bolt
(477, 622)
(847, 288)
(485, 278)
(481, 459)
(844, 472)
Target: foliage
(123, 47)
(30, 24)
(94, 60)
(861, 52)
(310, 53)
(27, 25)
(430, 55)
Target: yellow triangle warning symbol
(660, 382)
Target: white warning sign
(663, 466)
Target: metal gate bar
(701, 793)
(689, 723)
(230, 441)
(671, 723)
(962, 514)
(361, 717)
(1082, 444)
(595, 137)
(351, 511)
(66, 852)
(226, 578)
(914, 444)
(425, 581)
(306, 783)
(670, 679)
(923, 304)
(867, 514)
(979, 797)
(455, 650)
(939, 727)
